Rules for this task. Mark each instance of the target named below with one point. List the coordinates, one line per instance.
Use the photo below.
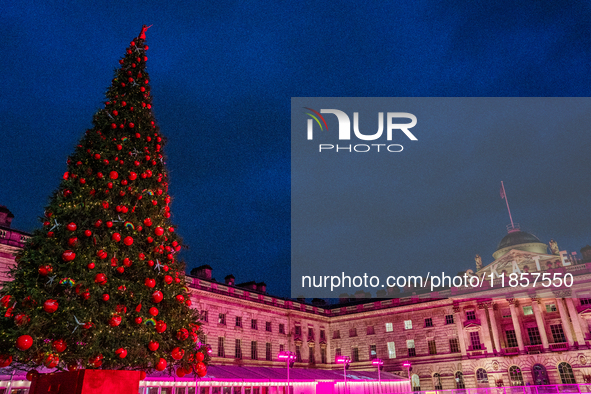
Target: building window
(238, 352)
(203, 316)
(515, 376)
(557, 333)
(221, 352)
(337, 352)
(428, 322)
(585, 301)
(470, 315)
(312, 358)
(528, 310)
(511, 338)
(355, 354)
(353, 332)
(323, 355)
(370, 330)
(238, 321)
(268, 326)
(481, 376)
(322, 335)
(389, 327)
(437, 382)
(310, 333)
(253, 324)
(408, 324)
(222, 318)
(454, 345)
(391, 350)
(268, 351)
(373, 353)
(336, 334)
(416, 382)
(449, 319)
(432, 347)
(410, 345)
(566, 373)
(460, 381)
(475, 340)
(281, 347)
(281, 328)
(551, 308)
(534, 336)
(298, 330)
(298, 354)
(253, 350)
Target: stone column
(566, 326)
(483, 315)
(460, 328)
(574, 318)
(512, 305)
(495, 327)
(540, 321)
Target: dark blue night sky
(223, 74)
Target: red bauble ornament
(177, 353)
(120, 270)
(101, 254)
(5, 301)
(153, 346)
(128, 241)
(86, 295)
(153, 311)
(180, 372)
(50, 234)
(127, 262)
(101, 279)
(132, 176)
(160, 326)
(59, 345)
(131, 125)
(180, 298)
(99, 175)
(113, 175)
(106, 297)
(116, 237)
(161, 365)
(90, 266)
(50, 306)
(148, 222)
(71, 227)
(138, 320)
(68, 255)
(199, 356)
(150, 240)
(21, 319)
(182, 334)
(142, 256)
(157, 297)
(150, 282)
(72, 367)
(24, 342)
(73, 242)
(158, 231)
(115, 320)
(109, 224)
(105, 204)
(5, 360)
(167, 279)
(98, 223)
(96, 361)
(188, 302)
(45, 270)
(122, 353)
(88, 233)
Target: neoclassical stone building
(454, 338)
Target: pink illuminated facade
(453, 339)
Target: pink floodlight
(406, 364)
(209, 350)
(342, 359)
(377, 361)
(287, 356)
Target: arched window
(481, 375)
(566, 373)
(540, 375)
(460, 380)
(515, 376)
(437, 382)
(416, 383)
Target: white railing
(547, 389)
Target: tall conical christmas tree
(100, 286)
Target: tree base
(87, 381)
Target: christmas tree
(100, 284)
